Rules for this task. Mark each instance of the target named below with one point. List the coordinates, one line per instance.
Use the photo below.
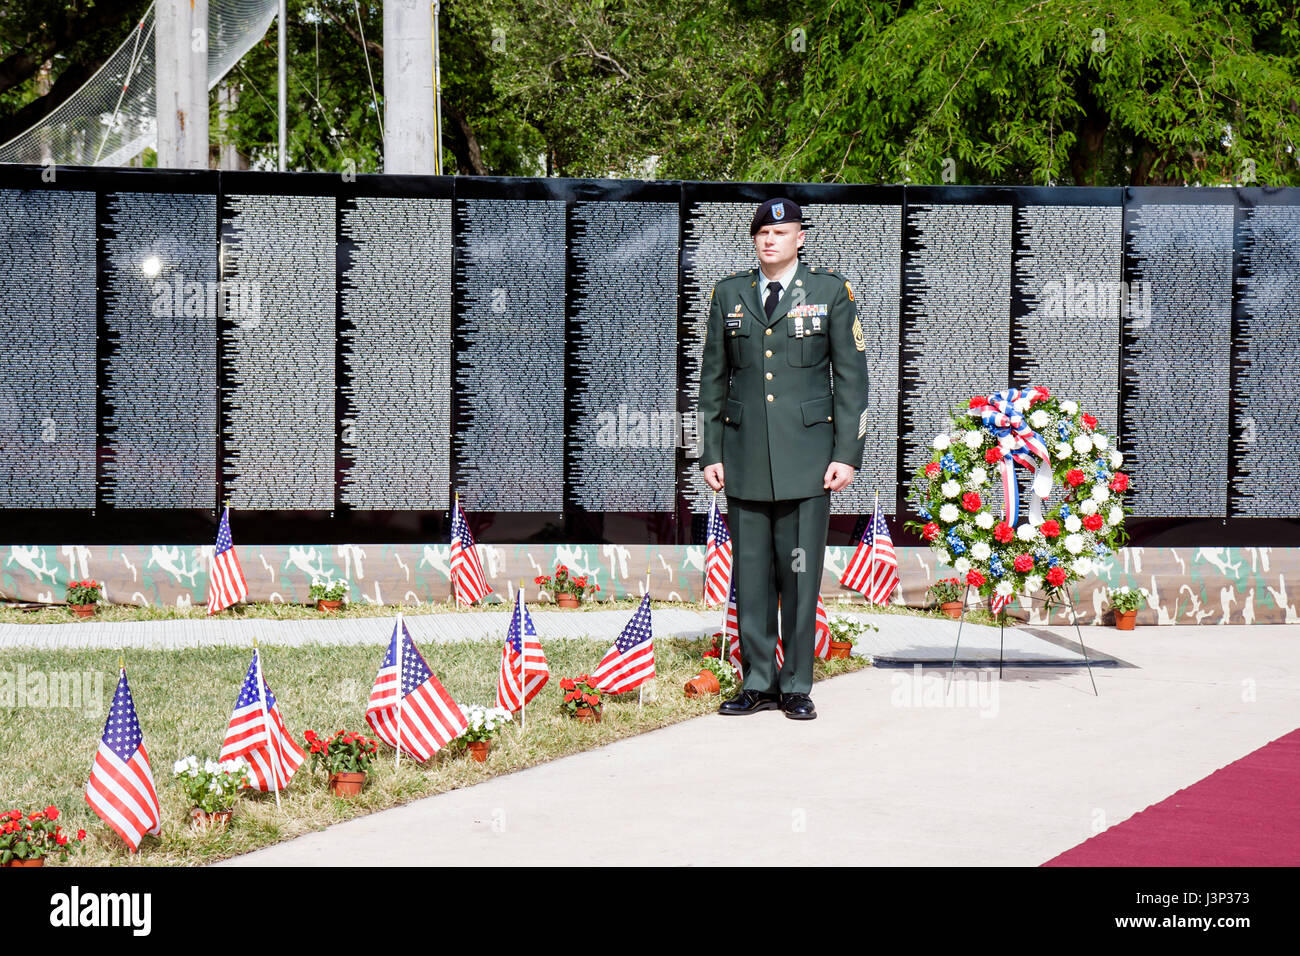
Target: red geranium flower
(930, 531)
(1074, 477)
(52, 813)
(974, 578)
(1056, 577)
(992, 455)
(1089, 422)
(81, 834)
(567, 684)
(1119, 482)
(932, 469)
(1092, 522)
(712, 652)
(1003, 532)
(1023, 563)
(1050, 529)
(970, 501)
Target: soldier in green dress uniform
(778, 439)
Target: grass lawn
(184, 698)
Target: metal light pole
(283, 86)
(437, 95)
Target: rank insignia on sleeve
(849, 289)
(859, 342)
(862, 423)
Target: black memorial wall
(338, 356)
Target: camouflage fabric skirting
(1188, 585)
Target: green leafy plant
(213, 787)
(84, 592)
(343, 753)
(945, 590)
(484, 724)
(1126, 598)
(846, 630)
(724, 672)
(564, 582)
(579, 693)
(34, 835)
(329, 592)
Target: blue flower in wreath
(1101, 550)
(924, 514)
(995, 566)
(949, 464)
(955, 543)
(1102, 472)
(1065, 512)
(1053, 561)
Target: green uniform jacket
(766, 408)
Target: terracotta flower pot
(83, 610)
(478, 749)
(587, 714)
(328, 606)
(347, 784)
(1124, 620)
(840, 650)
(704, 683)
(34, 861)
(567, 600)
(952, 609)
(202, 820)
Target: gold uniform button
(728, 418)
(828, 418)
(767, 331)
(768, 353)
(769, 375)
(771, 398)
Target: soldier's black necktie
(773, 295)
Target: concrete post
(181, 83)
(409, 134)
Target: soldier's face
(777, 245)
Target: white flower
(973, 439)
(1069, 407)
(1005, 588)
(961, 566)
(1026, 532)
(1088, 506)
(1062, 450)
(978, 476)
(1100, 442)
(943, 555)
(1116, 459)
(1100, 493)
(1038, 419)
(980, 551)
(1082, 445)
(1033, 583)
(180, 766)
(1073, 523)
(1082, 565)
(1074, 543)
(948, 513)
(211, 766)
(1115, 515)
(940, 442)
(984, 520)
(1021, 405)
(950, 488)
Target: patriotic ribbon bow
(1019, 444)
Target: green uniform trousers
(777, 551)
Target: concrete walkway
(1008, 772)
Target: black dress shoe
(750, 702)
(798, 707)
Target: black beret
(777, 211)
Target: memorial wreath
(973, 466)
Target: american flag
(631, 660)
(821, 635)
(260, 737)
(731, 630)
(467, 578)
(226, 584)
(409, 708)
(873, 569)
(717, 558)
(120, 789)
(523, 665)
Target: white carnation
(940, 442)
(1063, 450)
(1038, 419)
(973, 439)
(978, 476)
(1005, 588)
(980, 551)
(1116, 459)
(1026, 532)
(1074, 543)
(1088, 506)
(1100, 442)
(1073, 523)
(1020, 404)
(950, 488)
(1100, 493)
(1083, 444)
(943, 555)
(1069, 407)
(948, 513)
(1115, 515)
(961, 566)
(1033, 582)
(1082, 565)
(984, 520)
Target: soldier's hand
(838, 476)
(713, 476)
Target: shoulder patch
(849, 289)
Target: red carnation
(932, 469)
(1056, 577)
(1043, 393)
(1119, 482)
(930, 531)
(974, 578)
(970, 501)
(1023, 563)
(1074, 477)
(992, 455)
(1092, 522)
(979, 401)
(1089, 422)
(1003, 532)
(1050, 529)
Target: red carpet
(1246, 814)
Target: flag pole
(523, 669)
(640, 697)
(398, 653)
(871, 555)
(266, 724)
(451, 575)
